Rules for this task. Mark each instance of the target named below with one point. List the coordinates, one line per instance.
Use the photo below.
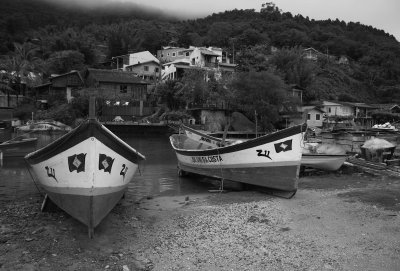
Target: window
(167, 54)
(123, 88)
(162, 55)
(173, 54)
(146, 68)
(308, 116)
(329, 110)
(156, 69)
(317, 116)
(187, 54)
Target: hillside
(114, 30)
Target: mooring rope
(33, 179)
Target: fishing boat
(271, 161)
(17, 147)
(86, 171)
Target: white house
(337, 109)
(122, 62)
(210, 58)
(313, 115)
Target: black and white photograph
(224, 135)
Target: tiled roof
(113, 76)
(68, 73)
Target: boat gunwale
(78, 135)
(275, 136)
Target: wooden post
(92, 107)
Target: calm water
(157, 175)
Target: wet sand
(348, 220)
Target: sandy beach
(337, 221)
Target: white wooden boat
(329, 162)
(271, 161)
(323, 156)
(86, 171)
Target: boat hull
(323, 161)
(93, 207)
(85, 172)
(271, 161)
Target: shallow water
(157, 175)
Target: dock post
(92, 107)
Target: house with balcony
(148, 70)
(209, 59)
(358, 113)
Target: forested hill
(374, 55)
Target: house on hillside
(337, 109)
(313, 115)
(314, 55)
(59, 85)
(311, 54)
(209, 59)
(149, 70)
(296, 91)
(124, 94)
(170, 53)
(124, 61)
(358, 113)
(390, 108)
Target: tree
(21, 67)
(260, 92)
(294, 68)
(65, 61)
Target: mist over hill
(98, 30)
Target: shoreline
(334, 222)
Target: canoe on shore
(271, 161)
(86, 171)
(330, 162)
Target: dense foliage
(41, 36)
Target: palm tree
(19, 67)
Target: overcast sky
(381, 14)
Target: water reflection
(157, 175)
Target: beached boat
(44, 126)
(86, 171)
(329, 162)
(323, 156)
(17, 147)
(271, 161)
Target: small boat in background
(330, 162)
(323, 156)
(270, 161)
(86, 171)
(40, 126)
(18, 147)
